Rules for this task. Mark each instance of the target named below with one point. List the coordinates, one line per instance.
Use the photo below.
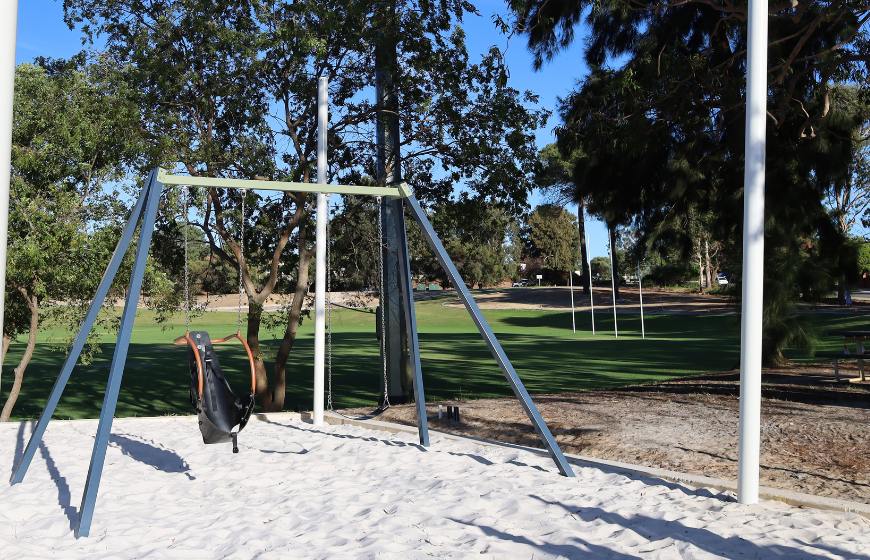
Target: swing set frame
(144, 216)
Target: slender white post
(320, 255)
(753, 256)
(571, 283)
(589, 271)
(8, 27)
(640, 293)
(613, 289)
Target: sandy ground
(296, 491)
(815, 434)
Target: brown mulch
(815, 433)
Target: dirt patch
(559, 298)
(815, 433)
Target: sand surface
(296, 491)
(815, 433)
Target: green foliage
(672, 273)
(553, 233)
(864, 257)
(600, 268)
(480, 239)
(660, 124)
(74, 131)
(226, 88)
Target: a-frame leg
(407, 290)
(490, 339)
(82, 336)
(119, 359)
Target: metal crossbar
(168, 180)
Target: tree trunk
(584, 255)
(700, 270)
(7, 340)
(255, 318)
(615, 261)
(711, 276)
(279, 387)
(389, 172)
(33, 305)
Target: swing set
(221, 413)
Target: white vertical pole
(571, 283)
(589, 271)
(640, 293)
(753, 256)
(8, 27)
(320, 255)
(613, 289)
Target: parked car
(722, 279)
(521, 283)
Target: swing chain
(241, 253)
(185, 195)
(386, 402)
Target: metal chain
(328, 310)
(241, 256)
(186, 196)
(386, 402)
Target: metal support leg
(407, 290)
(82, 336)
(119, 359)
(490, 339)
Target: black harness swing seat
(217, 406)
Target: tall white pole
(571, 283)
(8, 27)
(613, 289)
(640, 294)
(753, 256)
(589, 271)
(320, 255)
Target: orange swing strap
(187, 340)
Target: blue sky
(42, 32)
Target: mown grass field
(456, 363)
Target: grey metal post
(490, 339)
(119, 359)
(407, 289)
(82, 336)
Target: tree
(478, 238)
(555, 177)
(600, 268)
(846, 173)
(666, 123)
(74, 130)
(553, 233)
(234, 85)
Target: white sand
(296, 491)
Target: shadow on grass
(455, 365)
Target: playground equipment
(219, 410)
(145, 211)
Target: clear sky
(42, 32)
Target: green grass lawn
(456, 363)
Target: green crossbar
(168, 179)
